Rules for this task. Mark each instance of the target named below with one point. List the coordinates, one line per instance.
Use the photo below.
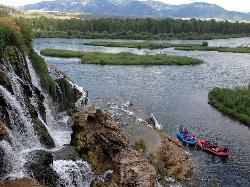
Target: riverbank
(140, 45)
(121, 58)
(233, 102)
(219, 49)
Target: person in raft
(214, 146)
(226, 150)
(181, 129)
(185, 133)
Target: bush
(205, 44)
(140, 145)
(10, 34)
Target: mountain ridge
(146, 8)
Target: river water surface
(176, 95)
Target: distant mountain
(138, 8)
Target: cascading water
(23, 139)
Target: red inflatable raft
(206, 146)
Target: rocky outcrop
(39, 168)
(20, 183)
(171, 160)
(135, 170)
(99, 140)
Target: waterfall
(21, 133)
(22, 138)
(57, 128)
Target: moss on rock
(43, 133)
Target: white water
(73, 173)
(22, 138)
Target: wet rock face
(5, 81)
(20, 183)
(39, 168)
(2, 163)
(96, 132)
(43, 133)
(66, 153)
(2, 130)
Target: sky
(236, 5)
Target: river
(176, 95)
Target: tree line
(134, 28)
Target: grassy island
(233, 102)
(121, 58)
(141, 45)
(219, 49)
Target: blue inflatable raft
(188, 141)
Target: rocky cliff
(99, 140)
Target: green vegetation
(205, 44)
(15, 34)
(143, 28)
(66, 89)
(219, 49)
(41, 69)
(158, 161)
(121, 58)
(234, 102)
(140, 45)
(140, 145)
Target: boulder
(38, 167)
(66, 153)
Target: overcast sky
(237, 5)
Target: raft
(187, 141)
(208, 148)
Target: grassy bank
(219, 49)
(121, 58)
(141, 45)
(233, 102)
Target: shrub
(140, 145)
(205, 44)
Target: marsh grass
(140, 45)
(233, 102)
(121, 58)
(219, 49)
